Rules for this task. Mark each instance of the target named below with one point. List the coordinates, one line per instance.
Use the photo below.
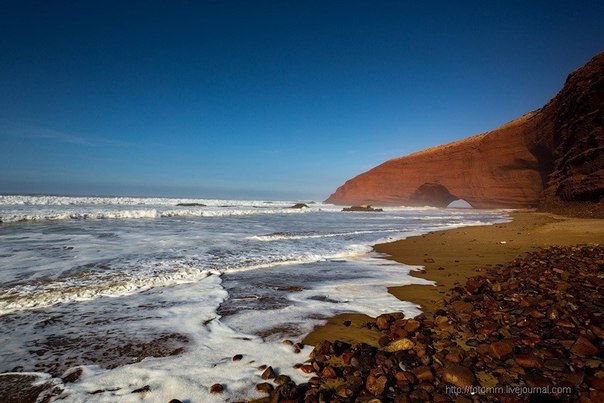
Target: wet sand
(451, 256)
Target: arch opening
(432, 194)
(459, 203)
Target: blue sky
(264, 99)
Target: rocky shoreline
(530, 330)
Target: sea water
(144, 292)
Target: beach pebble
(268, 373)
(501, 349)
(458, 375)
(281, 379)
(399, 345)
(583, 347)
(265, 387)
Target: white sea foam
(89, 286)
(234, 277)
(278, 236)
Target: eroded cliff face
(552, 154)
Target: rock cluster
(529, 330)
(361, 207)
(299, 206)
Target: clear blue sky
(264, 99)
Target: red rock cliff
(552, 154)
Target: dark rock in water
(216, 388)
(281, 379)
(174, 401)
(299, 206)
(361, 207)
(265, 387)
(72, 375)
(268, 373)
(285, 392)
(237, 357)
(144, 389)
(191, 205)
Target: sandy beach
(450, 257)
(513, 316)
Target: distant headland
(549, 158)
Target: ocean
(162, 293)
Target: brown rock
(549, 155)
(412, 325)
(268, 373)
(502, 348)
(307, 369)
(462, 306)
(420, 395)
(383, 322)
(344, 391)
(329, 372)
(399, 345)
(583, 347)
(347, 357)
(458, 375)
(361, 207)
(423, 373)
(598, 331)
(406, 376)
(598, 383)
(536, 314)
(527, 361)
(265, 387)
(555, 365)
(216, 388)
(535, 380)
(376, 384)
(284, 393)
(455, 356)
(439, 398)
(281, 379)
(384, 341)
(427, 386)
